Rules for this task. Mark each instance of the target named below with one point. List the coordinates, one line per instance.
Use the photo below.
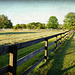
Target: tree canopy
(52, 23)
(5, 22)
(32, 25)
(36, 25)
(69, 21)
(20, 26)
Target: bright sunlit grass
(9, 37)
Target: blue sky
(27, 11)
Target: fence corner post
(46, 49)
(13, 60)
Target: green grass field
(12, 37)
(9, 37)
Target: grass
(12, 37)
(61, 63)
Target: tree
(60, 26)
(69, 21)
(31, 25)
(20, 26)
(4, 22)
(52, 23)
(40, 25)
(36, 25)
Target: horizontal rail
(56, 35)
(59, 39)
(6, 49)
(58, 44)
(51, 50)
(29, 56)
(51, 44)
(4, 70)
(64, 36)
(31, 68)
(29, 43)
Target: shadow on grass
(70, 53)
(68, 68)
(59, 58)
(6, 33)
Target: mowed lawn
(62, 63)
(9, 37)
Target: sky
(27, 11)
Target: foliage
(52, 23)
(32, 25)
(60, 26)
(69, 21)
(21, 26)
(4, 22)
(37, 25)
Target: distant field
(9, 37)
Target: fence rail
(12, 49)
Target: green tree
(20, 26)
(52, 23)
(69, 21)
(23, 26)
(4, 22)
(31, 25)
(60, 26)
(36, 25)
(40, 25)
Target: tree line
(69, 23)
(32, 25)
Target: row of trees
(52, 23)
(69, 23)
(33, 25)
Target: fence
(12, 49)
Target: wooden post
(46, 49)
(64, 38)
(55, 42)
(60, 38)
(12, 60)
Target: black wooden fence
(12, 49)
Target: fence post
(55, 42)
(13, 60)
(60, 38)
(46, 49)
(64, 37)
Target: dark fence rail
(12, 49)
